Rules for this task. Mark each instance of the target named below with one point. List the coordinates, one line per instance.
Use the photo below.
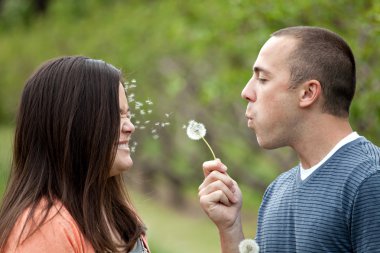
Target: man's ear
(309, 93)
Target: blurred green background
(192, 59)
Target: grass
(171, 231)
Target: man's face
(272, 110)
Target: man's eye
(261, 80)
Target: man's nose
(248, 93)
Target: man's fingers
(213, 165)
(219, 187)
(214, 198)
(217, 176)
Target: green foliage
(5, 156)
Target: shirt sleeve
(365, 223)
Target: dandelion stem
(208, 145)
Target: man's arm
(221, 199)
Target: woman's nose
(127, 127)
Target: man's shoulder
(359, 157)
(361, 149)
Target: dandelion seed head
(150, 111)
(248, 246)
(156, 136)
(142, 112)
(195, 130)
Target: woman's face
(123, 160)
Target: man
(299, 96)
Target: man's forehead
(275, 51)
(277, 44)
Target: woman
(66, 191)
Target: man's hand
(221, 199)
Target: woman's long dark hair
(65, 144)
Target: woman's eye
(124, 114)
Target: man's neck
(317, 139)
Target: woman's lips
(123, 145)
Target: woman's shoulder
(59, 232)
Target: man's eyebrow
(259, 69)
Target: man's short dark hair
(324, 56)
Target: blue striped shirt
(336, 209)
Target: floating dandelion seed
(138, 105)
(197, 131)
(133, 147)
(131, 98)
(248, 246)
(143, 108)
